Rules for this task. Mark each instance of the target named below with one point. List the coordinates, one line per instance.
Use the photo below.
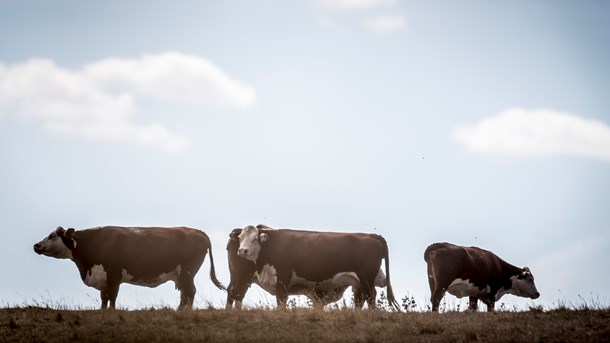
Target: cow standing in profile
(476, 273)
(108, 256)
(243, 275)
(318, 261)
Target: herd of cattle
(320, 265)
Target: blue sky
(479, 123)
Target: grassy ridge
(44, 325)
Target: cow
(145, 256)
(243, 274)
(322, 262)
(476, 273)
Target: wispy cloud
(352, 4)
(520, 131)
(384, 23)
(379, 16)
(97, 101)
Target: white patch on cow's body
(463, 288)
(267, 278)
(96, 277)
(162, 278)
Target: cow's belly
(152, 282)
(267, 280)
(96, 277)
(464, 288)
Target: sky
(475, 122)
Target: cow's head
(523, 284)
(250, 241)
(58, 244)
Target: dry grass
(34, 324)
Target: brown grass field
(36, 324)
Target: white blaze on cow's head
(250, 242)
(57, 244)
(523, 285)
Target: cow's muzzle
(536, 295)
(37, 249)
(242, 252)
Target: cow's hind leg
(187, 289)
(358, 298)
(104, 298)
(436, 290)
(369, 293)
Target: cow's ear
(234, 235)
(526, 269)
(263, 237)
(60, 231)
(69, 233)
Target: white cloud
(537, 132)
(384, 23)
(352, 4)
(97, 102)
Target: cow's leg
(230, 297)
(113, 292)
(473, 304)
(358, 298)
(367, 286)
(490, 306)
(281, 295)
(436, 292)
(187, 289)
(104, 298)
(436, 297)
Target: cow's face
(250, 242)
(57, 244)
(524, 286)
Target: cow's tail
(391, 300)
(213, 270)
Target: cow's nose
(536, 296)
(242, 252)
(36, 247)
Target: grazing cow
(108, 256)
(476, 273)
(321, 263)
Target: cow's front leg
(112, 287)
(473, 304)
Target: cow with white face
(476, 273)
(320, 263)
(108, 256)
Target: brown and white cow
(108, 256)
(243, 274)
(321, 262)
(476, 273)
